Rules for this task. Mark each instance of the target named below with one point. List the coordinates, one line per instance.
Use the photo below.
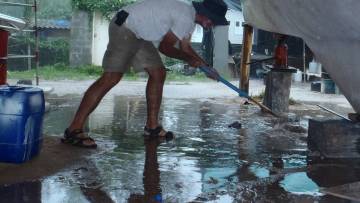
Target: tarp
(331, 29)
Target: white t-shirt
(152, 19)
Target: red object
(4, 38)
(281, 55)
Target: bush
(52, 51)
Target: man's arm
(185, 53)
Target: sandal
(77, 138)
(158, 132)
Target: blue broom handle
(227, 83)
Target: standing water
(264, 161)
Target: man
(136, 34)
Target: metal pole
(29, 59)
(14, 4)
(304, 60)
(333, 112)
(36, 43)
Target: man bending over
(136, 34)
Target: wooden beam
(246, 58)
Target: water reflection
(299, 183)
(151, 178)
(21, 193)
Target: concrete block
(277, 92)
(316, 86)
(334, 138)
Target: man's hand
(212, 73)
(195, 61)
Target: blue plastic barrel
(328, 86)
(21, 118)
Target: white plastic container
(315, 67)
(297, 77)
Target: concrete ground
(195, 90)
(184, 94)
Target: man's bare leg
(92, 98)
(154, 91)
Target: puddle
(206, 162)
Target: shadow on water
(265, 161)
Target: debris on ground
(236, 125)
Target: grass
(61, 72)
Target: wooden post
(246, 57)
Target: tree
(106, 7)
(55, 9)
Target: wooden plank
(246, 58)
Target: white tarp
(331, 29)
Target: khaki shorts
(125, 50)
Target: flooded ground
(264, 161)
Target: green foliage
(292, 101)
(55, 49)
(106, 7)
(52, 51)
(178, 76)
(61, 71)
(171, 61)
(55, 9)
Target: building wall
(235, 29)
(236, 19)
(100, 38)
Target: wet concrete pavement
(264, 161)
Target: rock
(212, 181)
(247, 103)
(236, 125)
(24, 82)
(295, 128)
